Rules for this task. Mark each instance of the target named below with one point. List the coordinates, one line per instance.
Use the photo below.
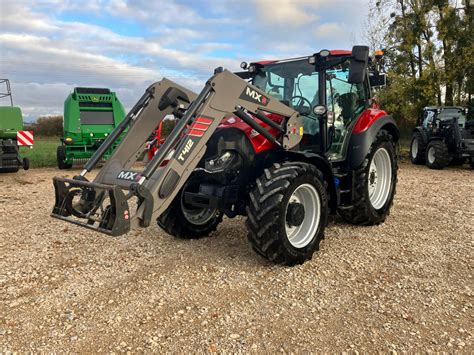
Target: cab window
(346, 101)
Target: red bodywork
(259, 143)
(367, 118)
(334, 52)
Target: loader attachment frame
(154, 188)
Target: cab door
(346, 102)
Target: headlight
(68, 140)
(220, 163)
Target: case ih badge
(25, 138)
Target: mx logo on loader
(128, 175)
(252, 95)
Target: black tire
(175, 222)
(267, 212)
(362, 211)
(12, 169)
(61, 157)
(471, 163)
(440, 157)
(26, 163)
(417, 156)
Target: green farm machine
(11, 134)
(90, 114)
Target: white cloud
(291, 13)
(332, 30)
(183, 40)
(19, 17)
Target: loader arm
(105, 204)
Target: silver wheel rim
(380, 178)
(431, 155)
(414, 148)
(197, 216)
(300, 236)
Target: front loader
(240, 148)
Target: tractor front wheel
(287, 213)
(437, 155)
(184, 221)
(417, 149)
(374, 184)
(61, 157)
(26, 163)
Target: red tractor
(284, 143)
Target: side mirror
(378, 79)
(358, 64)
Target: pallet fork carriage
(105, 203)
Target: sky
(48, 47)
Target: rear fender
(360, 143)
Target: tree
(429, 51)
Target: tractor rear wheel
(61, 157)
(287, 213)
(188, 222)
(437, 155)
(417, 149)
(374, 184)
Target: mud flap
(103, 208)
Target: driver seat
(348, 103)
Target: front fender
(360, 143)
(421, 131)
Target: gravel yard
(404, 285)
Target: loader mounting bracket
(104, 207)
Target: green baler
(90, 114)
(11, 121)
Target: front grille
(92, 91)
(95, 104)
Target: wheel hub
(373, 177)
(414, 148)
(295, 214)
(431, 155)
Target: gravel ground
(405, 285)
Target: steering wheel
(300, 105)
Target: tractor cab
(321, 89)
(432, 116)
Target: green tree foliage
(429, 48)
(51, 126)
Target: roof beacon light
(324, 53)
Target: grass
(43, 153)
